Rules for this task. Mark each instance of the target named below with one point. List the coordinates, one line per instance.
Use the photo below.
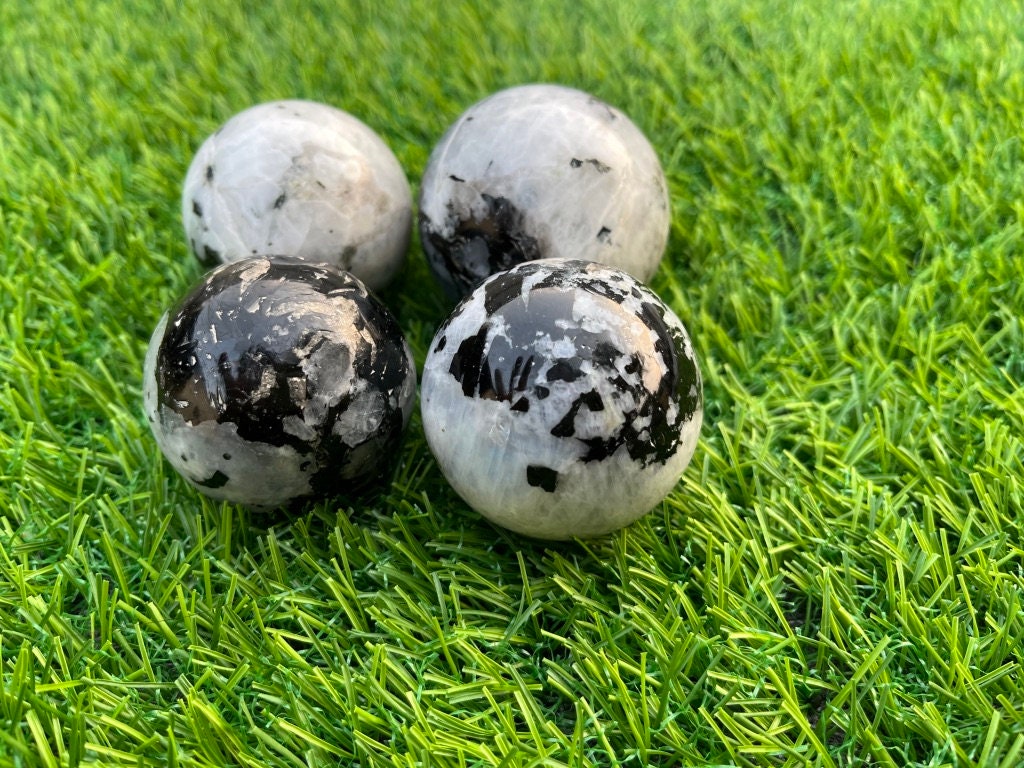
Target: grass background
(836, 581)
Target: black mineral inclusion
(479, 246)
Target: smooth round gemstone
(300, 179)
(275, 380)
(562, 399)
(541, 171)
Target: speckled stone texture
(562, 399)
(278, 380)
(541, 171)
(300, 179)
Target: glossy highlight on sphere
(562, 399)
(275, 380)
(541, 171)
(301, 179)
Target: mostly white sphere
(541, 171)
(278, 380)
(562, 399)
(301, 179)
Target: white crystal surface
(301, 179)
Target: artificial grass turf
(837, 580)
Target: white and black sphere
(562, 399)
(275, 380)
(302, 179)
(541, 171)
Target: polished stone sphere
(562, 399)
(540, 171)
(277, 380)
(301, 179)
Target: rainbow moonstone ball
(562, 399)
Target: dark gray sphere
(275, 380)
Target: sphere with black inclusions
(302, 179)
(277, 380)
(541, 171)
(562, 399)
